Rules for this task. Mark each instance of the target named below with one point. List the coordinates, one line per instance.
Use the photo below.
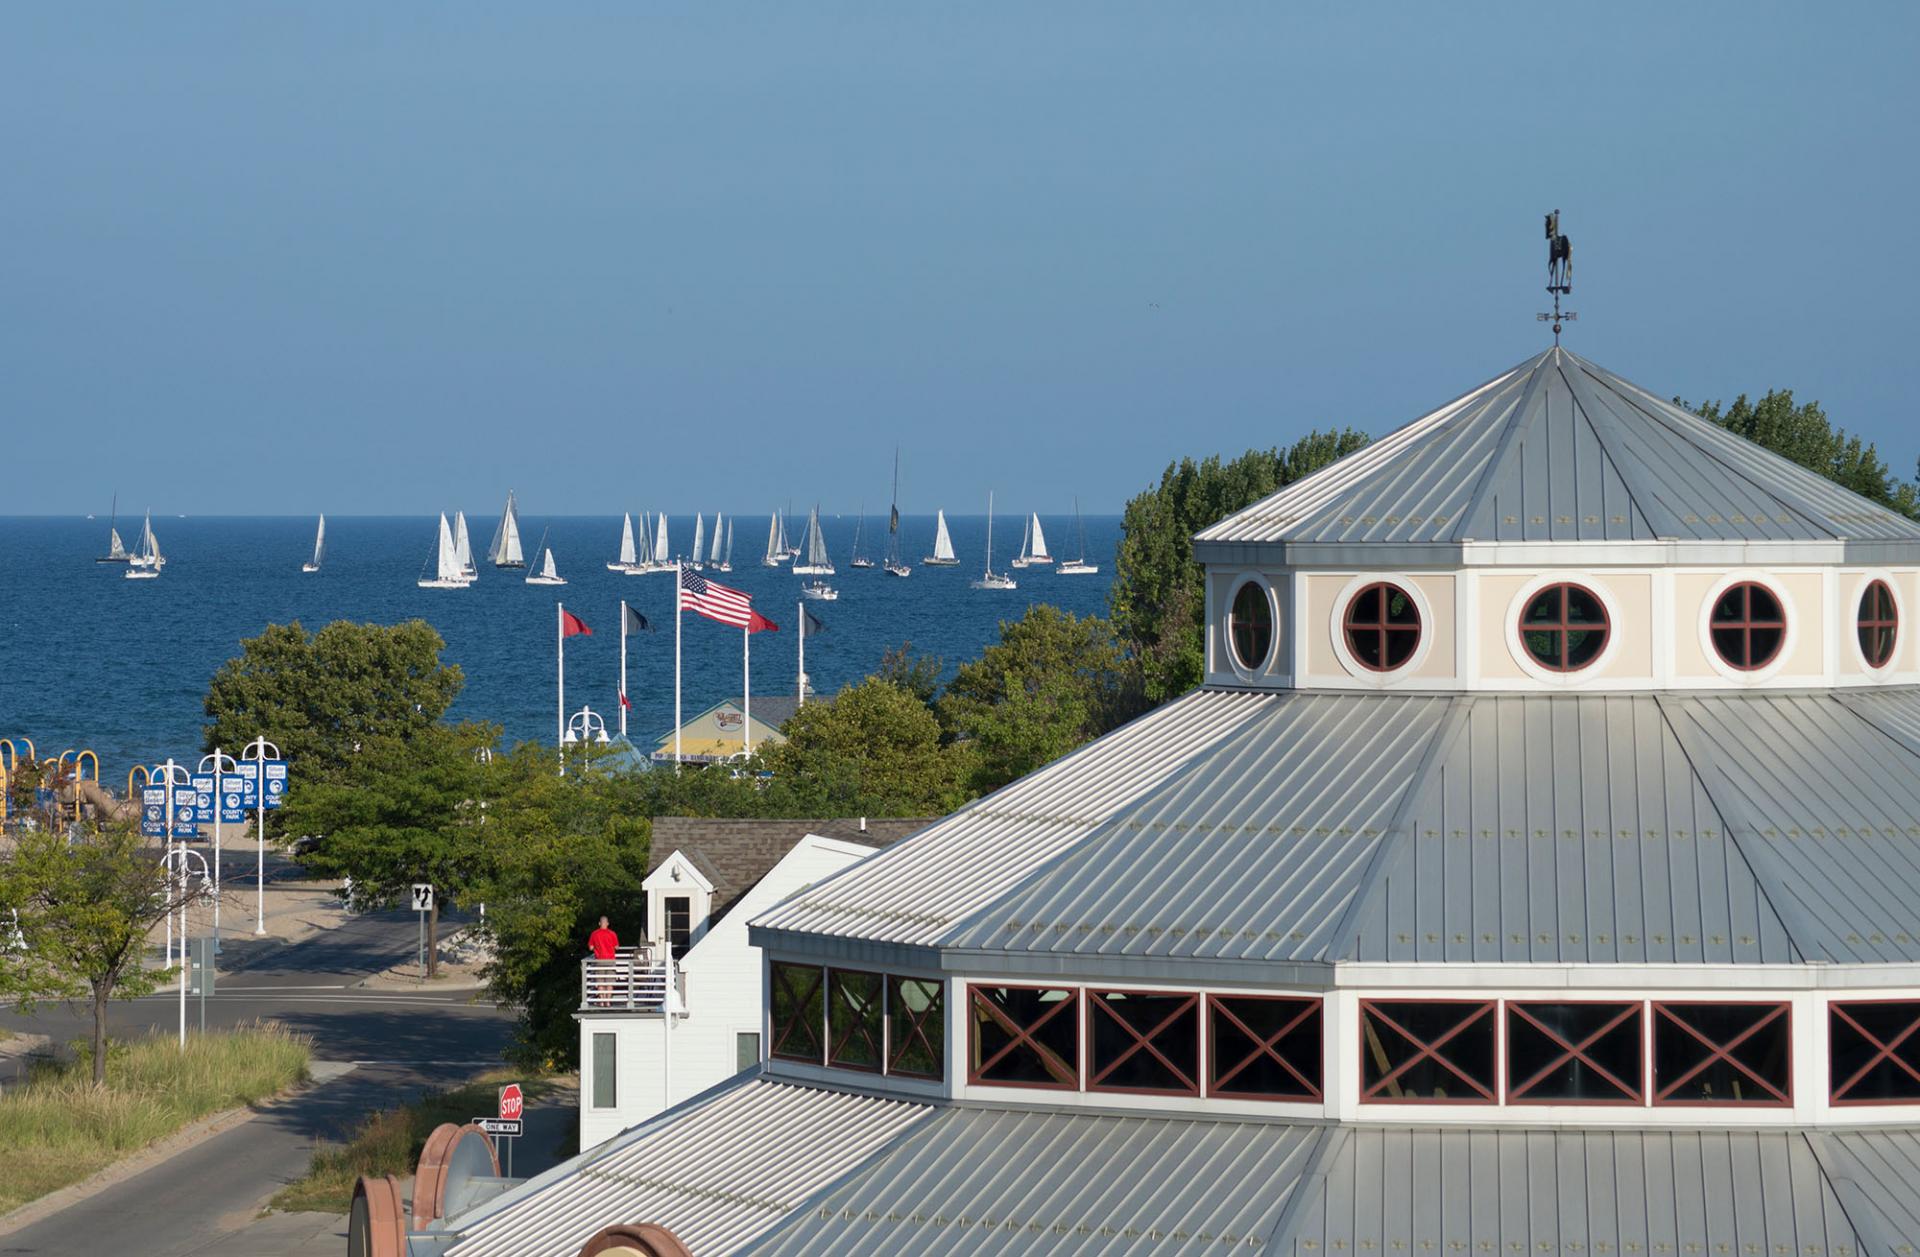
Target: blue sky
(377, 258)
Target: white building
(1536, 874)
(707, 879)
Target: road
(398, 1044)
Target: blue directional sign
(233, 797)
(247, 774)
(153, 812)
(276, 774)
(186, 813)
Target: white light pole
(257, 752)
(584, 725)
(180, 862)
(171, 775)
(220, 764)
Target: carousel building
(1536, 873)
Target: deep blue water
(90, 659)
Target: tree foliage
(1804, 434)
(320, 697)
(875, 750)
(1158, 591)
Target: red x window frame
(1745, 625)
(819, 973)
(1381, 625)
(1628, 1011)
(878, 1044)
(1098, 1006)
(1023, 1034)
(1866, 620)
(915, 1026)
(1723, 1051)
(1217, 1081)
(1471, 1012)
(1563, 628)
(1884, 1050)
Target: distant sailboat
(116, 548)
(991, 579)
(942, 555)
(448, 572)
(819, 562)
(504, 550)
(628, 555)
(713, 555)
(699, 541)
(776, 542)
(726, 556)
(544, 572)
(819, 591)
(893, 565)
(319, 547)
(146, 562)
(662, 557)
(859, 536)
(1033, 545)
(463, 547)
(1079, 566)
(643, 548)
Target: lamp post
(171, 775)
(218, 764)
(180, 862)
(583, 726)
(257, 752)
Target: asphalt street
(398, 1044)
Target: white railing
(638, 979)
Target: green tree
(1158, 591)
(86, 907)
(1805, 435)
(320, 697)
(917, 674)
(875, 750)
(1052, 682)
(412, 812)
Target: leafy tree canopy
(875, 750)
(1804, 434)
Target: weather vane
(1559, 274)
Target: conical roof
(1559, 449)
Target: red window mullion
(1723, 1052)
(1265, 1047)
(1575, 1052)
(1430, 1050)
(1885, 1051)
(1049, 1059)
(1140, 1041)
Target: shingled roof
(735, 854)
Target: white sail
(463, 544)
(660, 552)
(628, 556)
(319, 547)
(699, 537)
(544, 571)
(546, 567)
(116, 548)
(776, 549)
(942, 542)
(991, 579)
(1037, 551)
(448, 573)
(645, 544)
(818, 563)
(504, 551)
(714, 557)
(726, 560)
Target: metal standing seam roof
(915, 890)
(717, 1171)
(1559, 449)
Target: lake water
(89, 659)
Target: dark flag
(637, 623)
(815, 625)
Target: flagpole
(746, 684)
(560, 688)
(623, 667)
(676, 665)
(800, 683)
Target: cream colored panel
(1804, 595)
(1440, 663)
(1631, 650)
(1689, 598)
(1316, 621)
(1495, 631)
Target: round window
(1382, 627)
(1748, 626)
(1564, 627)
(1879, 624)
(1250, 626)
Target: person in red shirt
(605, 945)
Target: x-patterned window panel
(916, 1027)
(1143, 1042)
(1723, 1054)
(1264, 1047)
(1873, 1051)
(796, 1009)
(1429, 1051)
(1575, 1053)
(1024, 1036)
(856, 1029)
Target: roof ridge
(1577, 388)
(1475, 521)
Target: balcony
(636, 980)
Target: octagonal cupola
(1560, 528)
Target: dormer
(679, 901)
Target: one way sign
(423, 897)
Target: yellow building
(721, 733)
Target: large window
(1432, 1052)
(1873, 1048)
(746, 1049)
(1250, 626)
(1878, 624)
(1574, 1053)
(1263, 1047)
(1143, 1041)
(605, 1070)
(916, 1027)
(796, 1007)
(1564, 627)
(1722, 1054)
(1382, 627)
(1748, 626)
(854, 1028)
(1025, 1036)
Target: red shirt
(603, 942)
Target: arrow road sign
(498, 1126)
(423, 897)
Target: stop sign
(511, 1103)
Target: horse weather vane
(1559, 274)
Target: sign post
(507, 1126)
(210, 785)
(423, 904)
(259, 795)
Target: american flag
(714, 600)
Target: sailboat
(463, 547)
(504, 549)
(893, 566)
(776, 542)
(448, 572)
(662, 557)
(699, 541)
(819, 591)
(145, 564)
(942, 555)
(792, 551)
(643, 548)
(1079, 566)
(1033, 545)
(116, 548)
(544, 572)
(819, 562)
(319, 547)
(991, 579)
(713, 555)
(859, 533)
(726, 556)
(628, 555)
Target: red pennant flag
(626, 702)
(760, 624)
(572, 625)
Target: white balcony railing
(637, 979)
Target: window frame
(594, 1063)
(1746, 625)
(880, 1014)
(1861, 623)
(1562, 628)
(1368, 1095)
(1659, 1096)
(1835, 1090)
(1347, 627)
(778, 1036)
(1070, 1006)
(1510, 1094)
(1235, 663)
(1093, 996)
(1210, 1067)
(916, 1027)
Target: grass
(57, 1128)
(389, 1141)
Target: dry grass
(58, 1128)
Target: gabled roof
(1558, 449)
(735, 854)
